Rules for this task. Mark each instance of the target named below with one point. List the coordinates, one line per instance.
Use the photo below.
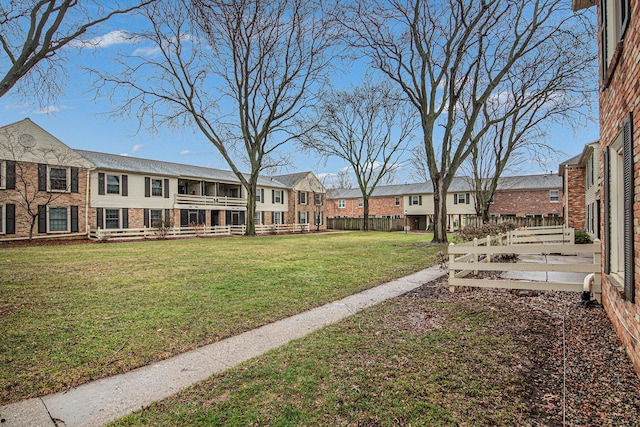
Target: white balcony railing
(217, 201)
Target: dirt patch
(575, 368)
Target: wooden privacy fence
(518, 221)
(375, 224)
(191, 231)
(485, 255)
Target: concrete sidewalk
(105, 400)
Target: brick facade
(378, 206)
(575, 198)
(618, 99)
(526, 202)
(23, 196)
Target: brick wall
(616, 102)
(529, 202)
(378, 206)
(29, 172)
(575, 200)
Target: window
(277, 217)
(259, 195)
(277, 196)
(415, 200)
(155, 217)
(303, 217)
(113, 184)
(156, 187)
(302, 197)
(360, 202)
(461, 198)
(615, 20)
(385, 216)
(112, 218)
(397, 201)
(396, 216)
(318, 218)
(318, 200)
(554, 195)
(57, 179)
(342, 204)
(58, 219)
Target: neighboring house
(619, 50)
(531, 195)
(581, 185)
(75, 191)
(42, 182)
(306, 198)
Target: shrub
(582, 237)
(470, 232)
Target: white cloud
(136, 148)
(49, 109)
(190, 153)
(147, 51)
(110, 39)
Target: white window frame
(303, 197)
(303, 217)
(258, 194)
(414, 200)
(68, 220)
(277, 217)
(67, 183)
(277, 196)
(106, 184)
(397, 201)
(342, 203)
(616, 203)
(360, 203)
(151, 193)
(104, 218)
(552, 198)
(150, 219)
(612, 15)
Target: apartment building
(43, 180)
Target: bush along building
(70, 192)
(619, 165)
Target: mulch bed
(580, 378)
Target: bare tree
(513, 124)
(26, 177)
(33, 34)
(455, 54)
(343, 179)
(237, 70)
(369, 127)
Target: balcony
(187, 201)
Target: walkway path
(105, 400)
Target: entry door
(193, 217)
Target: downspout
(86, 204)
(586, 288)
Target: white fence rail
(188, 199)
(484, 255)
(195, 231)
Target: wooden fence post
(488, 248)
(475, 255)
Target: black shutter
(273, 217)
(166, 188)
(10, 218)
(282, 197)
(606, 219)
(420, 200)
(273, 196)
(11, 175)
(262, 217)
(74, 219)
(42, 219)
(410, 200)
(627, 166)
(99, 215)
(202, 216)
(242, 217)
(147, 186)
(624, 17)
(466, 197)
(125, 185)
(146, 217)
(262, 195)
(125, 218)
(167, 217)
(202, 188)
(227, 218)
(74, 180)
(42, 177)
(101, 183)
(455, 199)
(184, 217)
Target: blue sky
(82, 121)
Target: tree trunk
(31, 226)
(439, 212)
(365, 206)
(250, 220)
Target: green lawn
(405, 362)
(74, 313)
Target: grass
(381, 367)
(70, 314)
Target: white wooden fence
(481, 255)
(191, 231)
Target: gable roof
(114, 162)
(292, 179)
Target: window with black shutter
(74, 219)
(10, 214)
(74, 180)
(10, 183)
(42, 177)
(42, 219)
(627, 166)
